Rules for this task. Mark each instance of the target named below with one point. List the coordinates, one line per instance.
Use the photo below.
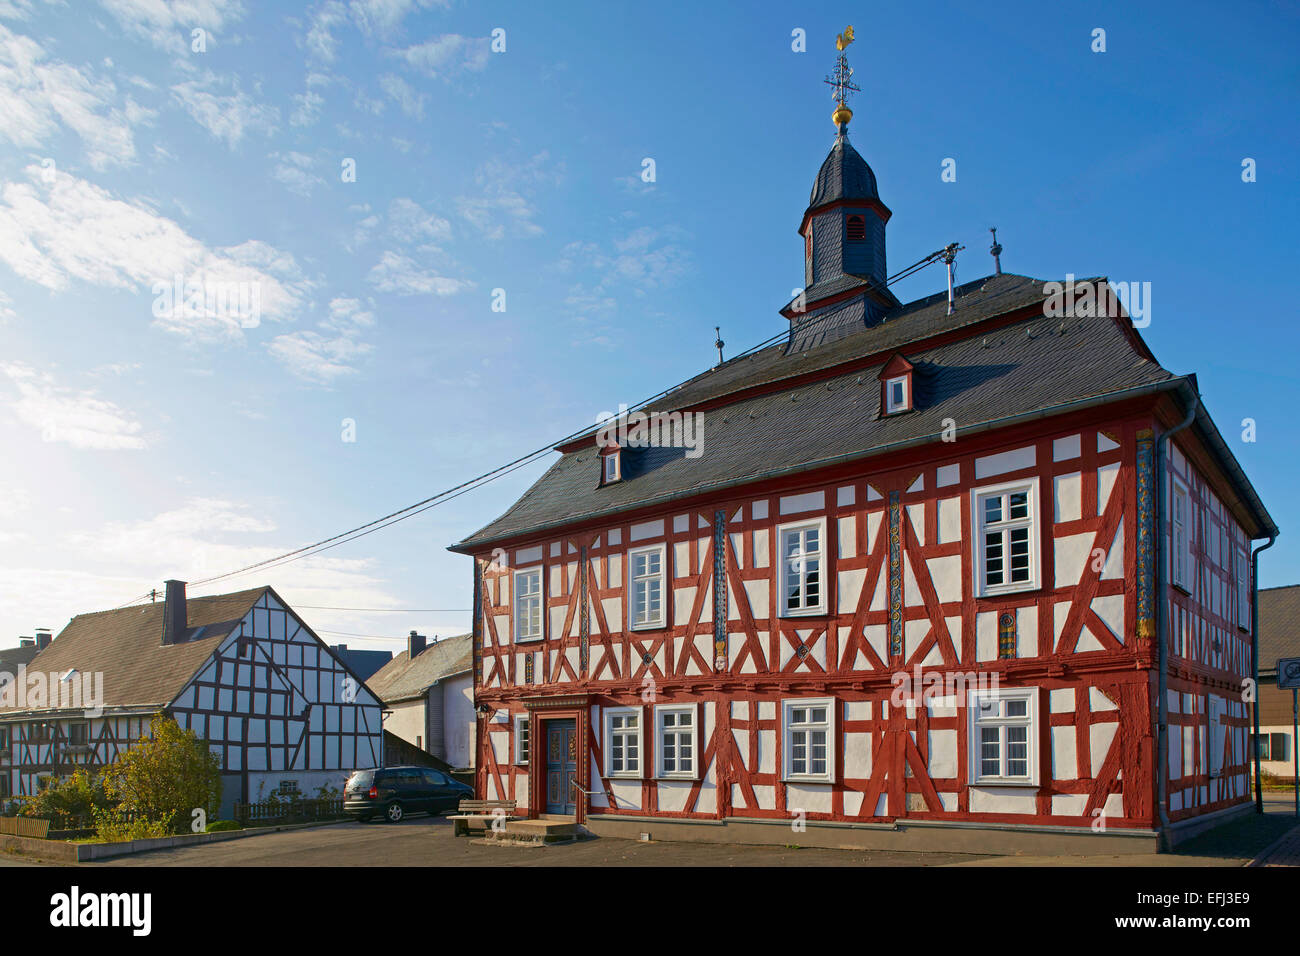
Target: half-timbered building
(241, 670)
(967, 571)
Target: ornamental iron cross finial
(841, 81)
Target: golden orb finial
(841, 81)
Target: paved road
(425, 841)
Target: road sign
(1288, 673)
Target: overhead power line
(389, 610)
(410, 511)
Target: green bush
(217, 826)
(116, 825)
(68, 803)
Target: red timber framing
(903, 599)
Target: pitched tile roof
(125, 645)
(1023, 368)
(403, 678)
(1279, 626)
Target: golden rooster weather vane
(841, 81)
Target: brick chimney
(43, 638)
(414, 645)
(174, 614)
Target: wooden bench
(480, 812)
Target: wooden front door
(561, 765)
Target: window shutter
(700, 742)
(1217, 737)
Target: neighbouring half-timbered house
(242, 670)
(919, 575)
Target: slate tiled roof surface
(843, 175)
(402, 678)
(1034, 364)
(11, 657)
(126, 646)
(1279, 626)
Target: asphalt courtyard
(428, 841)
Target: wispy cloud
(382, 17)
(328, 354)
(226, 116)
(320, 41)
(504, 209)
(294, 170)
(41, 94)
(74, 417)
(400, 275)
(403, 94)
(169, 24)
(69, 229)
(445, 56)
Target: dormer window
(896, 398)
(896, 386)
(612, 466)
(857, 228)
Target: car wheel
(393, 812)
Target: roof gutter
(1254, 657)
(469, 546)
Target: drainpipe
(1254, 657)
(1162, 615)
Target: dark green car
(393, 792)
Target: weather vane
(841, 81)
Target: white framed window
(623, 742)
(521, 738)
(528, 605)
(801, 573)
(1003, 735)
(809, 739)
(613, 467)
(1243, 591)
(647, 570)
(677, 738)
(898, 396)
(1180, 552)
(1006, 537)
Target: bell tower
(843, 228)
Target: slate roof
(403, 678)
(1034, 364)
(125, 645)
(11, 657)
(843, 175)
(1279, 626)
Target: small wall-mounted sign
(1288, 673)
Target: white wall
(309, 781)
(458, 720)
(408, 721)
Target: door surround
(541, 710)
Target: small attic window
(896, 386)
(857, 228)
(898, 394)
(612, 466)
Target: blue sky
(139, 446)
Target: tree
(165, 777)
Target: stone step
(534, 832)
